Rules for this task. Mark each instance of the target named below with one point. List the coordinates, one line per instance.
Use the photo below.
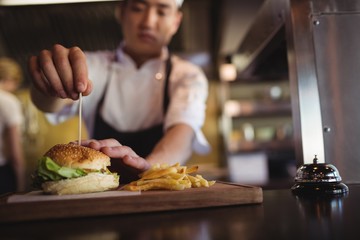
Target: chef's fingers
(127, 156)
(98, 144)
(62, 64)
(137, 163)
(47, 67)
(89, 88)
(112, 148)
(80, 73)
(118, 151)
(38, 79)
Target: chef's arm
(48, 103)
(174, 147)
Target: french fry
(177, 176)
(174, 177)
(154, 185)
(157, 167)
(192, 169)
(203, 182)
(160, 173)
(158, 180)
(153, 168)
(186, 183)
(211, 183)
(195, 182)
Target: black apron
(142, 141)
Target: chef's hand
(123, 159)
(60, 72)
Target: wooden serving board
(26, 207)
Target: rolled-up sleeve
(188, 94)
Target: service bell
(318, 178)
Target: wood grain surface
(220, 194)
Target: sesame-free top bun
(76, 156)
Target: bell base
(320, 188)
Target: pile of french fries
(168, 177)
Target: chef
(143, 104)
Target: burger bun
(93, 182)
(77, 156)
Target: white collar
(123, 57)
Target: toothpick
(80, 117)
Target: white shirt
(10, 115)
(134, 97)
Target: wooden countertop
(281, 216)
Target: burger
(74, 169)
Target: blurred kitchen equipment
(249, 132)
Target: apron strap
(166, 99)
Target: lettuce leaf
(48, 170)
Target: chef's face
(148, 25)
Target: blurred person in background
(144, 104)
(12, 164)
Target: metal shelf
(252, 108)
(274, 145)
